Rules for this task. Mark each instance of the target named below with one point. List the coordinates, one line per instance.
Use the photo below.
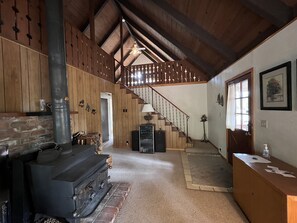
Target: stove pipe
(57, 72)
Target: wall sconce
(148, 108)
(93, 111)
(220, 99)
(81, 103)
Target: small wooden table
(263, 196)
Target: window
(242, 105)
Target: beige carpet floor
(158, 191)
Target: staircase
(166, 115)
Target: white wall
(192, 99)
(281, 134)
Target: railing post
(152, 98)
(187, 129)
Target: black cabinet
(160, 142)
(135, 140)
(146, 138)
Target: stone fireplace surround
(25, 134)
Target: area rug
(209, 172)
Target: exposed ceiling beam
(150, 56)
(196, 30)
(151, 38)
(257, 41)
(124, 58)
(97, 11)
(111, 30)
(147, 45)
(158, 57)
(275, 11)
(191, 56)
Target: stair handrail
(168, 100)
(186, 129)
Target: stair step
(140, 101)
(182, 134)
(128, 91)
(122, 86)
(167, 123)
(174, 129)
(134, 96)
(161, 118)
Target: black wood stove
(72, 185)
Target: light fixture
(148, 108)
(136, 49)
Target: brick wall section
(26, 133)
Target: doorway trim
(229, 81)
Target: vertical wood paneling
(8, 17)
(12, 76)
(68, 43)
(34, 28)
(87, 98)
(2, 95)
(70, 87)
(80, 51)
(45, 79)
(25, 79)
(22, 22)
(44, 47)
(81, 96)
(75, 52)
(35, 80)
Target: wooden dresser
(264, 197)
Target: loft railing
(164, 107)
(161, 73)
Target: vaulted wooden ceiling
(210, 34)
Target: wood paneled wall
(87, 87)
(126, 122)
(24, 80)
(24, 21)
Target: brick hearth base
(110, 206)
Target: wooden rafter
(152, 53)
(150, 56)
(196, 30)
(96, 13)
(124, 58)
(151, 38)
(275, 11)
(92, 20)
(261, 37)
(148, 46)
(199, 62)
(109, 32)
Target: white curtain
(230, 114)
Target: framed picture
(275, 88)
